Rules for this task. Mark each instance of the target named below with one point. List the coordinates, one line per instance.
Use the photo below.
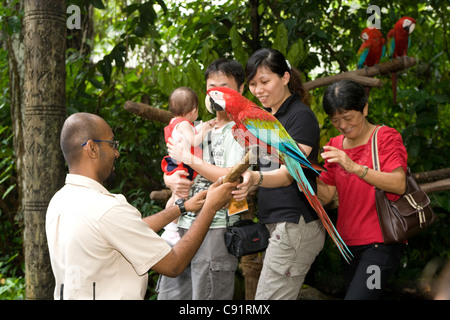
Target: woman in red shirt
(350, 173)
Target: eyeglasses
(113, 143)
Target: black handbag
(405, 217)
(246, 237)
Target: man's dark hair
(231, 68)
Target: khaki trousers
(292, 250)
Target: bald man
(100, 246)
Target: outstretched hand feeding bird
(261, 127)
(398, 43)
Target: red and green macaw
(372, 49)
(262, 128)
(398, 43)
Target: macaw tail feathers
(367, 90)
(329, 227)
(394, 78)
(295, 154)
(297, 173)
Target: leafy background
(142, 50)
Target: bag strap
(212, 161)
(375, 158)
(209, 148)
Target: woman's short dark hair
(342, 96)
(275, 61)
(230, 68)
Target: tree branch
(255, 19)
(433, 175)
(147, 112)
(440, 185)
(364, 75)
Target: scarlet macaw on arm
(398, 43)
(262, 128)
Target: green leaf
(10, 188)
(281, 39)
(97, 4)
(14, 24)
(236, 42)
(297, 53)
(105, 68)
(413, 146)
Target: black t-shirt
(286, 204)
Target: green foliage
(11, 263)
(12, 287)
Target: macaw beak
(211, 105)
(208, 104)
(410, 27)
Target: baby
(183, 104)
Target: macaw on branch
(262, 128)
(398, 43)
(372, 49)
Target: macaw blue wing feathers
(298, 155)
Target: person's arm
(180, 151)
(184, 250)
(325, 192)
(159, 220)
(393, 182)
(194, 140)
(178, 183)
(267, 179)
(204, 129)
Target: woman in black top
(297, 236)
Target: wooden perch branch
(363, 76)
(435, 186)
(239, 168)
(433, 175)
(147, 112)
(161, 195)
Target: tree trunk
(44, 113)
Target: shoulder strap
(209, 148)
(375, 158)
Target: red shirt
(357, 221)
(168, 130)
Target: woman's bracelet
(366, 168)
(260, 178)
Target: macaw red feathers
(398, 39)
(372, 49)
(398, 43)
